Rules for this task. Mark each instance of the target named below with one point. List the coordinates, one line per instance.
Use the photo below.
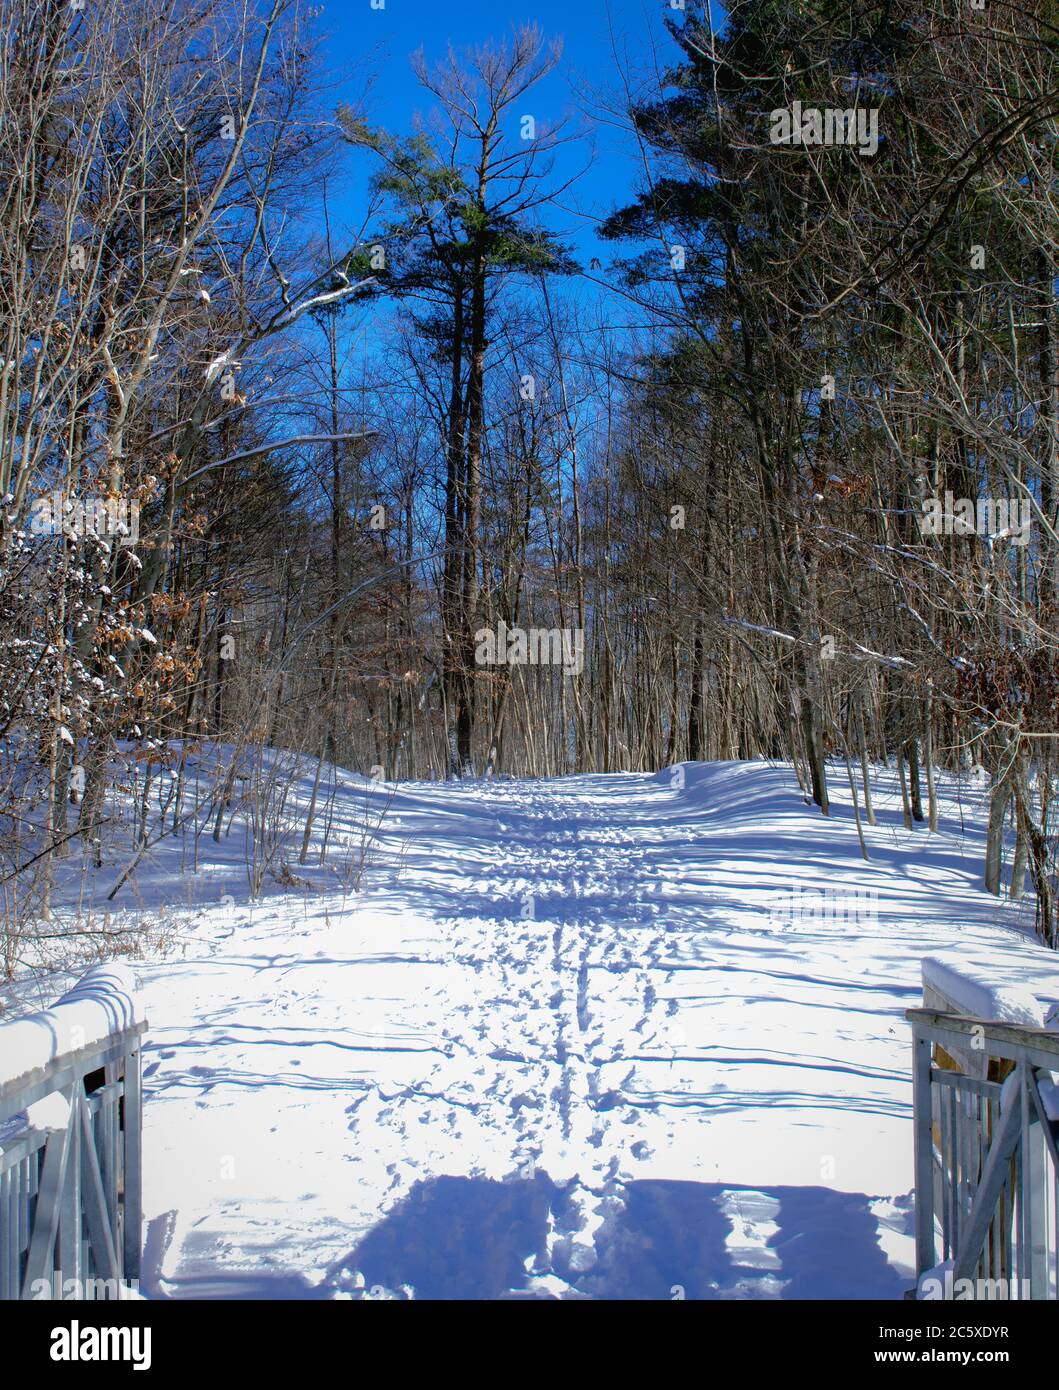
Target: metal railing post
(133, 1214)
(922, 1110)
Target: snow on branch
(290, 315)
(858, 653)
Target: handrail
(1012, 1039)
(70, 1143)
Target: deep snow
(577, 1037)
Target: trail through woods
(571, 1041)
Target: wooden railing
(986, 1162)
(70, 1144)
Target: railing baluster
(922, 1110)
(997, 1228)
(8, 1218)
(1036, 1189)
(947, 1244)
(18, 1254)
(954, 1174)
(132, 1165)
(28, 1165)
(69, 1243)
(1018, 1205)
(1007, 1268)
(108, 1148)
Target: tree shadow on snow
(716, 1241)
(458, 1238)
(470, 1238)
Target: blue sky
(368, 50)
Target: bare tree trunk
(998, 805)
(906, 809)
(853, 793)
(869, 809)
(915, 797)
(928, 753)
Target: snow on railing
(986, 1125)
(957, 988)
(70, 1151)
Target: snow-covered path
(569, 1041)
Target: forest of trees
(265, 486)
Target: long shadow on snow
(673, 1236)
(458, 1238)
(470, 1238)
